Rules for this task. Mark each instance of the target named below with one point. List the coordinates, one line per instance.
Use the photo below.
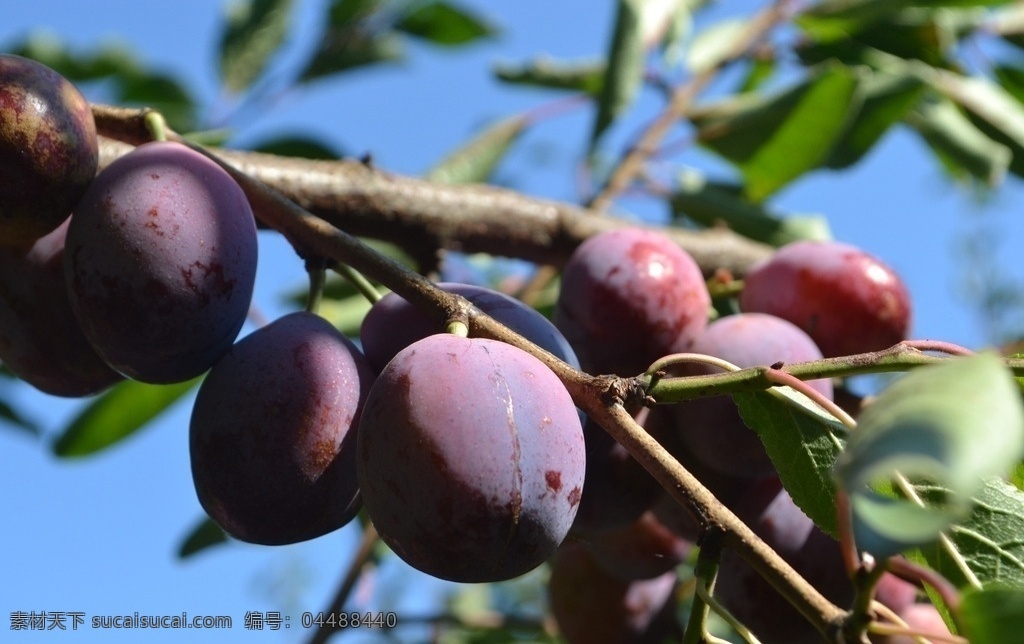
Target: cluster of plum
(629, 298)
(468, 454)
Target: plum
(160, 263)
(471, 458)
(40, 339)
(272, 438)
(628, 296)
(846, 299)
(48, 149)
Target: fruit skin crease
(471, 458)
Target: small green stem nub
(157, 125)
(458, 328)
(317, 278)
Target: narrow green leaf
(351, 41)
(625, 67)
(886, 99)
(987, 543)
(963, 149)
(1012, 80)
(775, 139)
(578, 76)
(161, 92)
(953, 425)
(803, 443)
(443, 23)
(712, 204)
(475, 161)
(253, 31)
(130, 83)
(107, 59)
(345, 314)
(205, 534)
(992, 616)
(678, 28)
(760, 69)
(713, 43)
(305, 147)
(991, 108)
(836, 19)
(12, 417)
(116, 414)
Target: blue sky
(99, 535)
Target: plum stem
(156, 124)
(359, 281)
(900, 357)
(706, 571)
(457, 327)
(317, 271)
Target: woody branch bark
(422, 217)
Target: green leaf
(162, 93)
(107, 59)
(253, 31)
(443, 23)
(1012, 80)
(710, 47)
(117, 414)
(345, 314)
(991, 108)
(351, 41)
(205, 534)
(963, 149)
(987, 543)
(886, 99)
(14, 418)
(475, 161)
(775, 139)
(625, 69)
(759, 70)
(131, 84)
(992, 616)
(577, 76)
(832, 20)
(712, 204)
(803, 443)
(953, 425)
(303, 147)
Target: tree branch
(422, 217)
(601, 397)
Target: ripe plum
(471, 458)
(590, 605)
(273, 432)
(48, 149)
(847, 300)
(618, 490)
(711, 429)
(771, 514)
(160, 263)
(628, 297)
(393, 323)
(643, 549)
(40, 340)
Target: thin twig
(632, 163)
(348, 582)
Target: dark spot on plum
(554, 480)
(574, 496)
